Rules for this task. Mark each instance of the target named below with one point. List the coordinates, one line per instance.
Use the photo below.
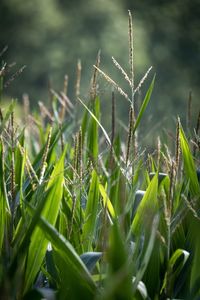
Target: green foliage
(74, 223)
(52, 199)
(91, 212)
(4, 205)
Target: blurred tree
(29, 29)
(50, 36)
(173, 43)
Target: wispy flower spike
(111, 81)
(122, 71)
(113, 118)
(3, 70)
(178, 150)
(78, 78)
(12, 160)
(171, 189)
(26, 106)
(112, 129)
(189, 108)
(3, 50)
(142, 80)
(44, 158)
(65, 85)
(45, 112)
(29, 167)
(131, 59)
(61, 138)
(65, 98)
(63, 108)
(12, 78)
(131, 118)
(80, 151)
(93, 90)
(196, 140)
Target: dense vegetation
(49, 39)
(88, 214)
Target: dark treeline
(50, 36)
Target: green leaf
(144, 104)
(189, 167)
(106, 201)
(90, 259)
(147, 209)
(70, 263)
(53, 142)
(91, 212)
(7, 116)
(193, 221)
(97, 121)
(148, 252)
(142, 290)
(19, 166)
(38, 243)
(118, 284)
(40, 294)
(4, 204)
(194, 242)
(175, 265)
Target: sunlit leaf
(106, 201)
(38, 244)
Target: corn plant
(89, 215)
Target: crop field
(86, 213)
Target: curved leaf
(90, 259)
(38, 243)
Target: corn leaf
(119, 281)
(106, 201)
(91, 212)
(144, 105)
(147, 209)
(38, 244)
(97, 121)
(148, 251)
(7, 116)
(19, 167)
(193, 222)
(175, 265)
(90, 259)
(70, 263)
(4, 205)
(189, 166)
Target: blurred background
(50, 36)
